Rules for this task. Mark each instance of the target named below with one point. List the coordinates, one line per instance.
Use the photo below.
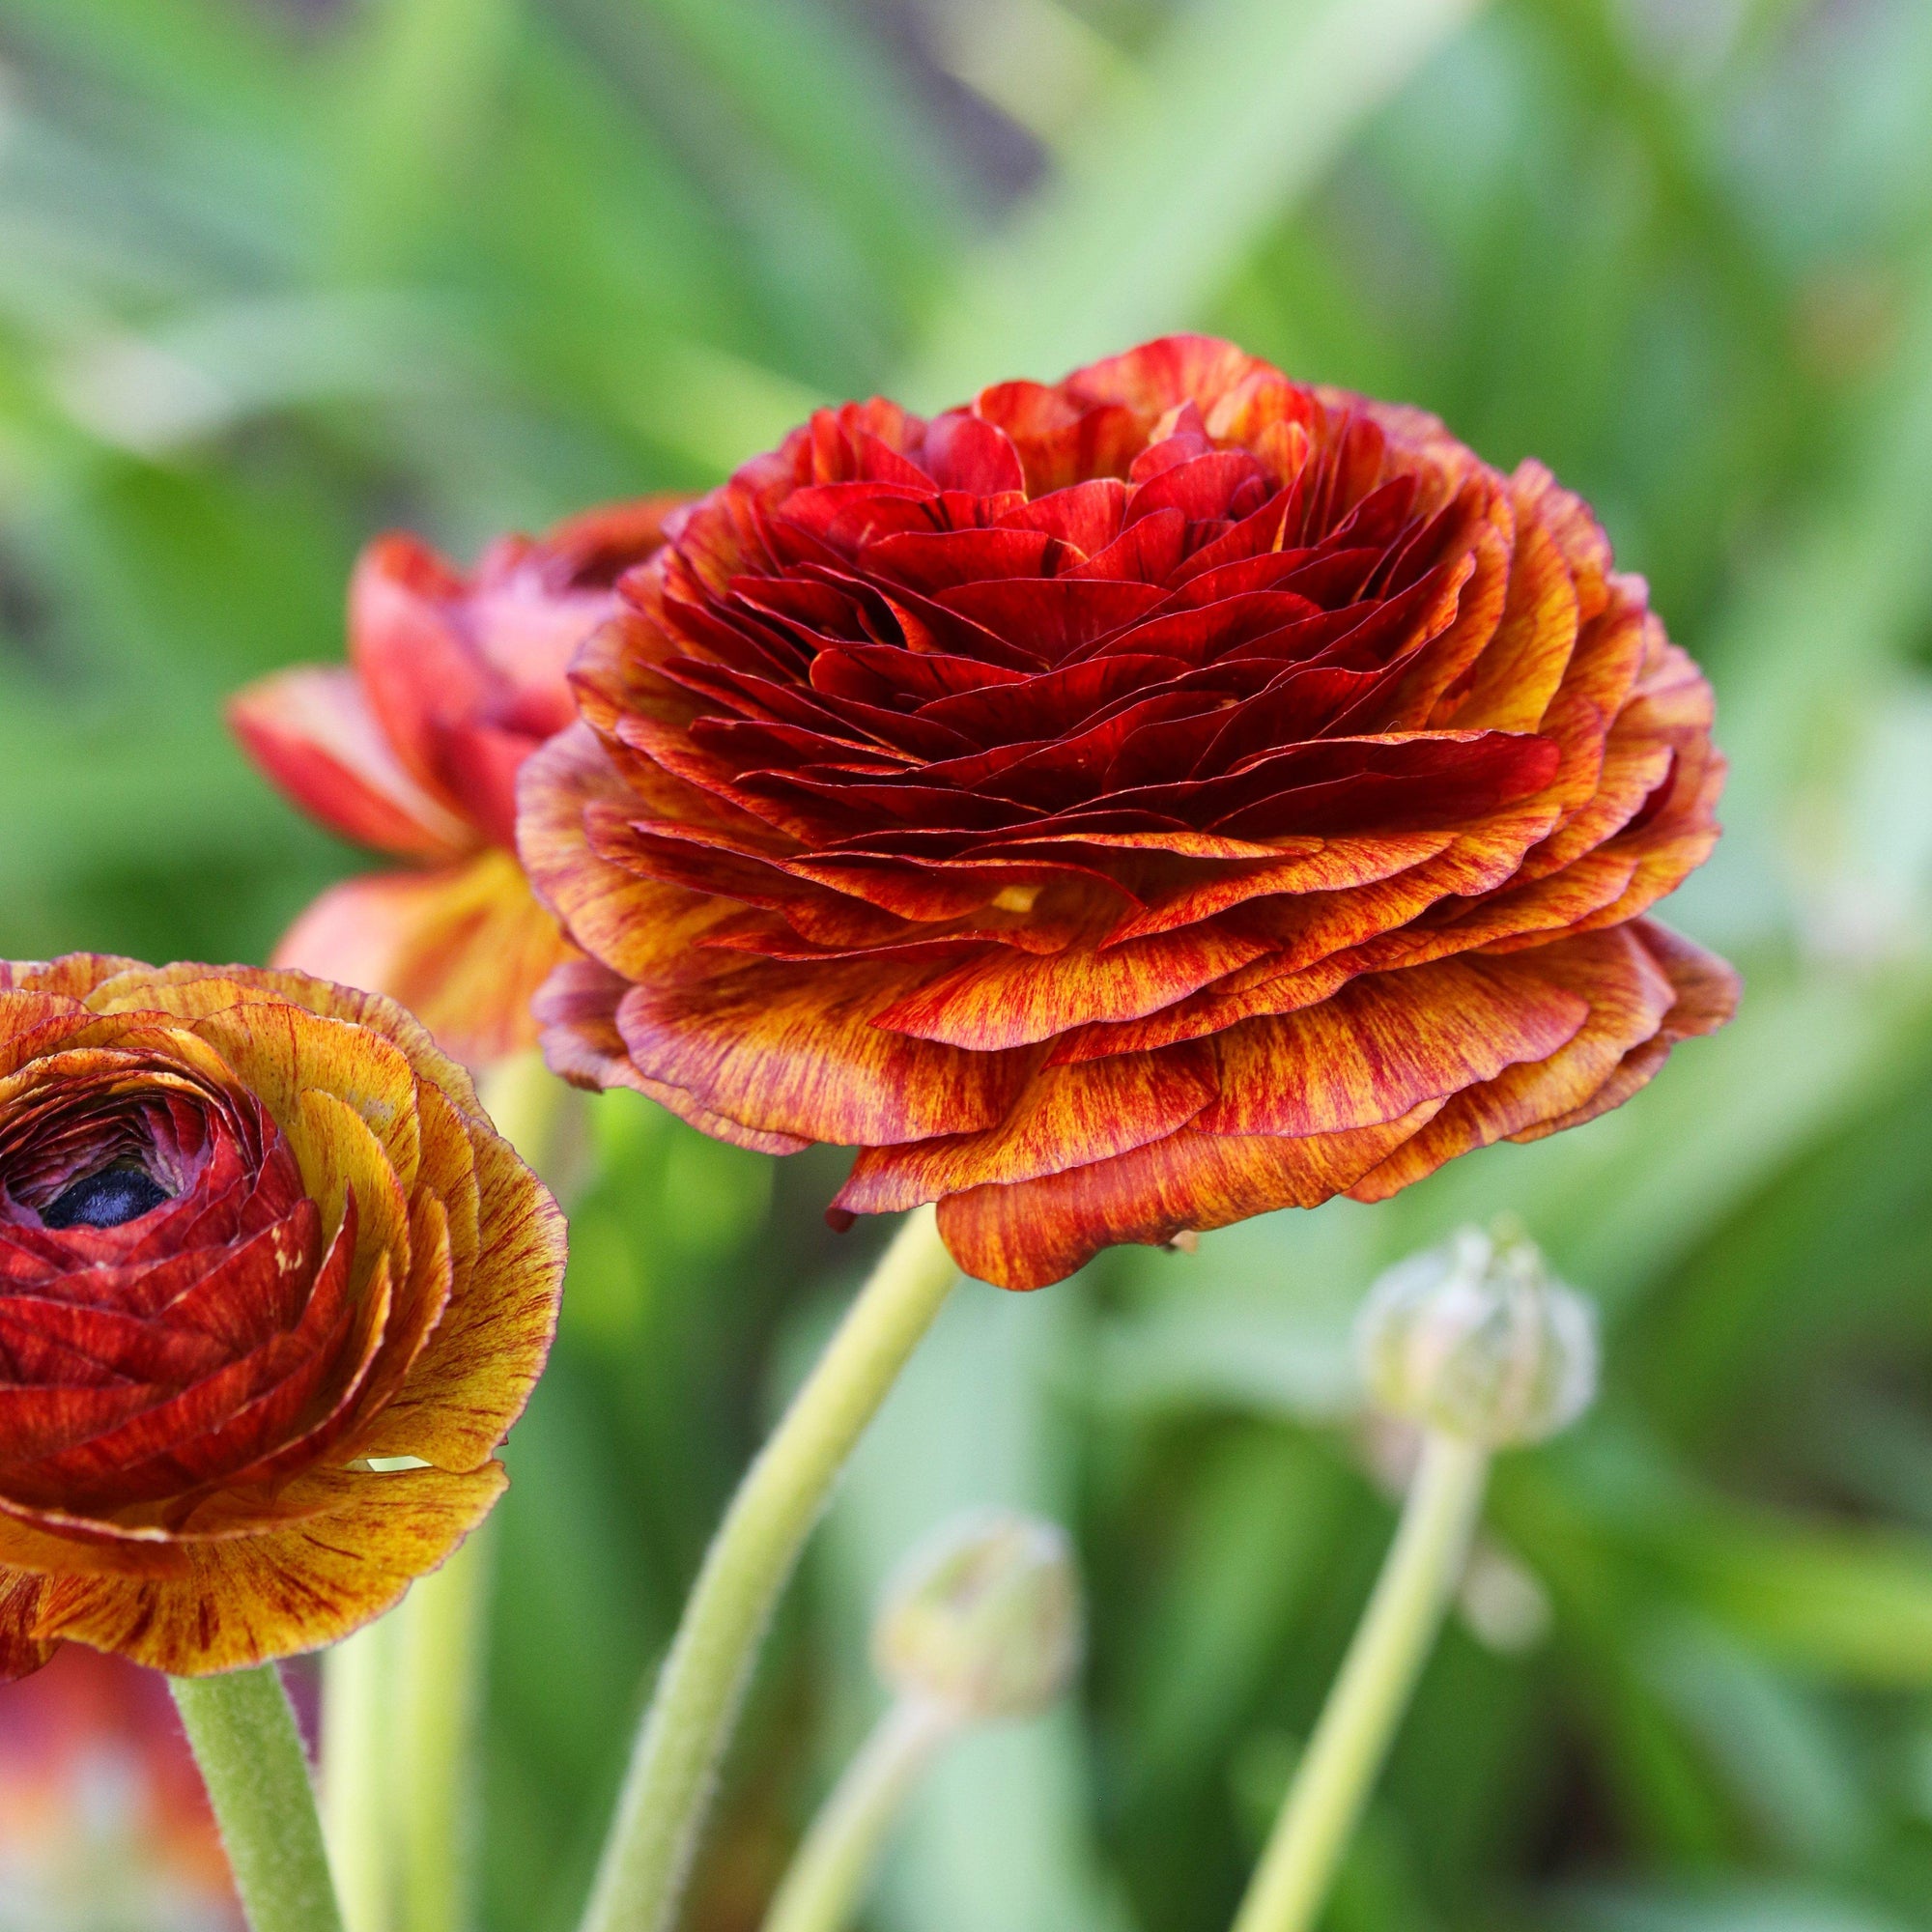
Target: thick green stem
(439, 1694)
(250, 1755)
(835, 1860)
(1379, 1676)
(667, 1788)
(358, 1767)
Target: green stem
(357, 1689)
(439, 1683)
(829, 1875)
(250, 1755)
(667, 1788)
(1379, 1676)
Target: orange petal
(626, 922)
(1708, 990)
(577, 1010)
(1522, 668)
(1068, 1116)
(241, 1599)
(21, 1649)
(796, 1049)
(1000, 998)
(192, 991)
(1382, 1044)
(311, 732)
(71, 977)
(1041, 1231)
(1629, 996)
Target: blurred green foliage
(276, 272)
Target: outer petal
(1628, 996)
(799, 1050)
(1067, 1116)
(241, 1600)
(1647, 989)
(1000, 998)
(311, 732)
(1041, 1231)
(577, 1011)
(1381, 1046)
(72, 976)
(194, 991)
(22, 1650)
(1708, 990)
(626, 922)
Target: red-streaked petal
(1039, 1232)
(1066, 1116)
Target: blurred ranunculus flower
(103, 1823)
(413, 747)
(1124, 807)
(254, 1232)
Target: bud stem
(1379, 1676)
(667, 1788)
(251, 1759)
(835, 1860)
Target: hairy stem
(667, 1789)
(834, 1861)
(251, 1759)
(1379, 1676)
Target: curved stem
(667, 1788)
(357, 1684)
(835, 1860)
(1379, 1676)
(251, 1759)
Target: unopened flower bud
(1477, 1340)
(983, 1617)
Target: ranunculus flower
(1126, 807)
(254, 1231)
(414, 749)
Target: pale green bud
(983, 1617)
(1477, 1340)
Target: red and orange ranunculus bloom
(254, 1231)
(413, 747)
(1128, 805)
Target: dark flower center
(105, 1199)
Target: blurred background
(276, 273)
